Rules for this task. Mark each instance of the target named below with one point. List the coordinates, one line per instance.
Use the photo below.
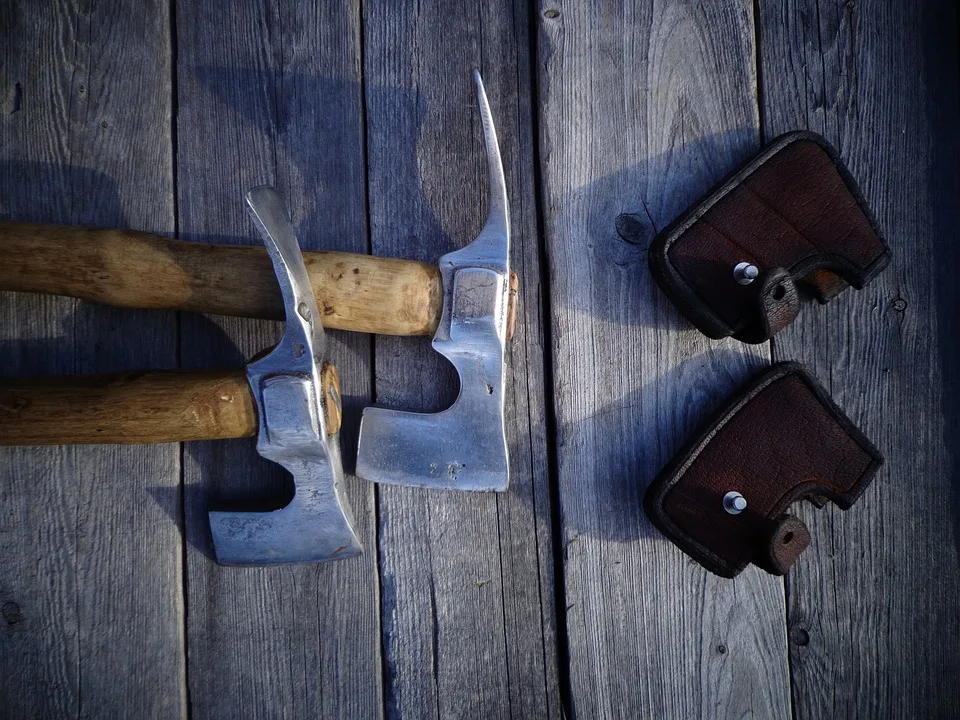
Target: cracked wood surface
(558, 598)
(270, 94)
(91, 581)
(873, 614)
(631, 379)
(467, 579)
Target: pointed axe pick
(297, 400)
(463, 447)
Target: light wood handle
(127, 268)
(150, 407)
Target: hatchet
(463, 447)
(289, 398)
(467, 302)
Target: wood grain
(90, 550)
(270, 93)
(643, 107)
(133, 269)
(639, 108)
(129, 408)
(872, 613)
(468, 620)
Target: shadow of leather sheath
(780, 439)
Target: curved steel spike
(496, 232)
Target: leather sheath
(796, 214)
(779, 440)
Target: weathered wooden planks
(643, 107)
(272, 94)
(467, 579)
(90, 551)
(873, 615)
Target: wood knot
(633, 229)
(11, 613)
(799, 636)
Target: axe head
(463, 447)
(295, 399)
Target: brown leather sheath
(779, 440)
(794, 213)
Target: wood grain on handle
(149, 407)
(127, 268)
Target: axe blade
(463, 447)
(315, 527)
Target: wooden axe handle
(128, 268)
(150, 407)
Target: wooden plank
(272, 94)
(643, 107)
(90, 551)
(872, 611)
(468, 624)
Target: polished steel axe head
(293, 403)
(463, 447)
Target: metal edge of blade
(498, 216)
